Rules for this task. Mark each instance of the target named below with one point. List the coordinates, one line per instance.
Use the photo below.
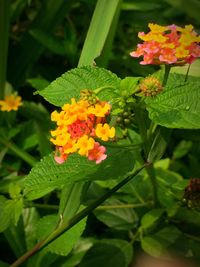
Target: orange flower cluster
(168, 44)
(78, 125)
(11, 102)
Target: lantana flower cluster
(79, 126)
(10, 102)
(168, 45)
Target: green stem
(100, 89)
(192, 237)
(125, 206)
(77, 218)
(151, 173)
(101, 207)
(19, 152)
(186, 75)
(166, 75)
(4, 33)
(141, 119)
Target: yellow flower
(157, 28)
(61, 139)
(99, 110)
(70, 147)
(85, 144)
(104, 132)
(152, 36)
(181, 52)
(11, 102)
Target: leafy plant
(126, 187)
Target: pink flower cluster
(168, 45)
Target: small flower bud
(150, 86)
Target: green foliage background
(46, 40)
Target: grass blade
(98, 31)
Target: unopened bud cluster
(126, 117)
(150, 86)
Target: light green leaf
(63, 244)
(151, 218)
(152, 246)
(177, 106)
(48, 175)
(72, 82)
(129, 85)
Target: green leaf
(182, 149)
(50, 41)
(117, 218)
(152, 246)
(191, 217)
(30, 219)
(159, 144)
(124, 246)
(10, 211)
(177, 106)
(48, 175)
(103, 254)
(72, 82)
(63, 244)
(157, 244)
(38, 83)
(151, 218)
(129, 85)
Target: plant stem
(186, 75)
(166, 75)
(151, 173)
(4, 33)
(101, 207)
(141, 119)
(19, 152)
(77, 218)
(192, 237)
(125, 206)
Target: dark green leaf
(158, 243)
(48, 175)
(102, 254)
(118, 218)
